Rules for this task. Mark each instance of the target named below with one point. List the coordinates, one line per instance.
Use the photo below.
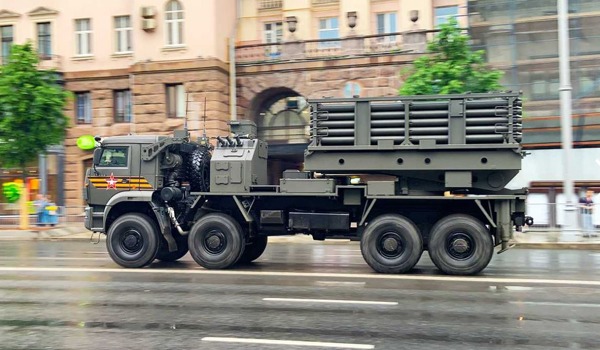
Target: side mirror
(97, 154)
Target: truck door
(113, 173)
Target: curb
(558, 245)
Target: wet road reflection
(70, 295)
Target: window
(83, 107)
(123, 34)
(273, 34)
(83, 36)
(174, 23)
(6, 32)
(329, 29)
(175, 101)
(113, 157)
(443, 14)
(122, 106)
(386, 23)
(44, 40)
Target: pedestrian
(40, 207)
(586, 208)
(51, 212)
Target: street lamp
(352, 19)
(291, 21)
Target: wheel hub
(215, 242)
(460, 245)
(132, 241)
(390, 245)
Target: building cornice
(6, 14)
(42, 11)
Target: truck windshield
(113, 157)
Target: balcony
(50, 62)
(266, 5)
(348, 47)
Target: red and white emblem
(111, 182)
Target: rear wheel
(182, 248)
(460, 245)
(391, 244)
(254, 250)
(132, 240)
(216, 241)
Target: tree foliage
(31, 108)
(450, 66)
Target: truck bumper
(87, 222)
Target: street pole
(571, 226)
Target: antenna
(204, 119)
(185, 121)
(204, 139)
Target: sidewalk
(532, 239)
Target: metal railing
(270, 4)
(351, 46)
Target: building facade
(521, 38)
(132, 66)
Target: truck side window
(113, 157)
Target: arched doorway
(282, 117)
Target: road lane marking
(332, 301)
(375, 276)
(53, 258)
(547, 303)
(340, 284)
(288, 342)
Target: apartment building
(136, 66)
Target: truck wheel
(132, 240)
(254, 250)
(182, 248)
(197, 169)
(216, 241)
(391, 244)
(460, 245)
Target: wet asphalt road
(70, 295)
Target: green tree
(31, 108)
(450, 67)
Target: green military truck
(401, 174)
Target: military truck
(401, 174)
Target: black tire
(254, 250)
(391, 244)
(197, 169)
(460, 245)
(216, 241)
(133, 240)
(182, 248)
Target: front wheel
(391, 244)
(460, 245)
(132, 240)
(216, 241)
